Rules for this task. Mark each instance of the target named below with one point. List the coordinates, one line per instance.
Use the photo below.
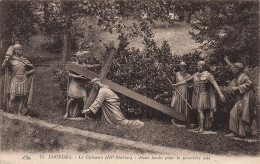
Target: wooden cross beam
(127, 92)
(103, 73)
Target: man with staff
(178, 103)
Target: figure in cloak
(110, 104)
(243, 116)
(178, 102)
(203, 97)
(76, 93)
(18, 80)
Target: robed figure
(109, 102)
(18, 81)
(178, 102)
(243, 116)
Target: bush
(138, 71)
(60, 77)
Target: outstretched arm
(97, 103)
(184, 81)
(214, 83)
(228, 62)
(5, 63)
(92, 65)
(30, 72)
(76, 76)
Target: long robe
(110, 104)
(177, 102)
(243, 114)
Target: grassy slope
(176, 35)
(155, 132)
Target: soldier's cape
(8, 76)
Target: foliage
(138, 70)
(53, 46)
(229, 28)
(60, 78)
(18, 20)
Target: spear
(157, 65)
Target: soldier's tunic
(76, 90)
(76, 87)
(203, 96)
(19, 83)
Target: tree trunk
(1, 77)
(66, 47)
(189, 17)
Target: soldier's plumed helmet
(237, 67)
(182, 64)
(82, 53)
(201, 63)
(18, 46)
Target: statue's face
(95, 85)
(19, 51)
(200, 67)
(183, 68)
(80, 59)
(235, 71)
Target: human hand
(85, 111)
(234, 88)
(226, 58)
(6, 58)
(222, 98)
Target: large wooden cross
(120, 89)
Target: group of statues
(243, 116)
(106, 98)
(19, 74)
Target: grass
(177, 36)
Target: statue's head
(201, 66)
(96, 83)
(81, 55)
(18, 49)
(183, 66)
(237, 68)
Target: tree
(18, 20)
(59, 17)
(229, 28)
